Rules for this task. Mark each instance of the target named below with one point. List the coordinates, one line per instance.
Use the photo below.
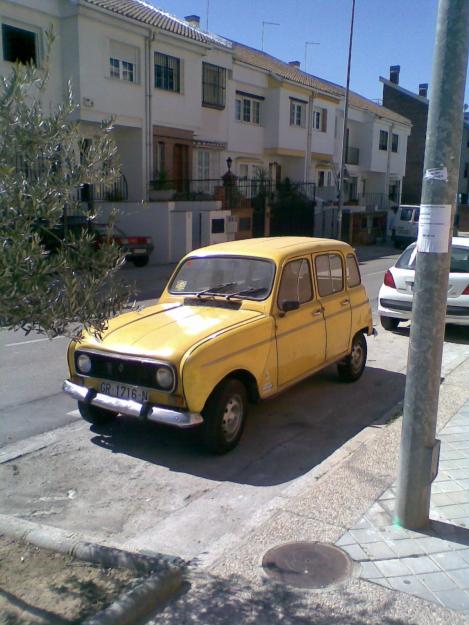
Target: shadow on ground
(284, 438)
(216, 601)
(453, 333)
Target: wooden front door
(181, 165)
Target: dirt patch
(40, 587)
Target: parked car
(237, 322)
(137, 249)
(406, 225)
(396, 294)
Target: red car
(137, 249)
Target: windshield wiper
(213, 290)
(251, 290)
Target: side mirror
(290, 305)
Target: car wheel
(94, 414)
(389, 323)
(351, 368)
(224, 417)
(141, 261)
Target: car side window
(295, 284)
(329, 274)
(353, 272)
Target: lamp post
(344, 132)
(309, 43)
(263, 24)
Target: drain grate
(307, 565)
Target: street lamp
(263, 24)
(344, 133)
(309, 43)
(229, 162)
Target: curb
(166, 572)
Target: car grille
(120, 369)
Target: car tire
(389, 323)
(352, 367)
(224, 417)
(95, 415)
(141, 262)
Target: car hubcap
(357, 356)
(232, 417)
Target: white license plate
(124, 391)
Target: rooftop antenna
(309, 43)
(208, 9)
(263, 24)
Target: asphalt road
(32, 367)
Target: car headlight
(83, 363)
(164, 378)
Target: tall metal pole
(308, 43)
(419, 448)
(263, 25)
(344, 131)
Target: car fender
(249, 347)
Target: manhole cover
(307, 565)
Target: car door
(300, 333)
(335, 301)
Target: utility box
(217, 227)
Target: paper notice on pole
(434, 228)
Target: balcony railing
(370, 201)
(209, 189)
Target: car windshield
(459, 259)
(227, 276)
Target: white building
(184, 101)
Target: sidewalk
(400, 577)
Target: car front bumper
(145, 412)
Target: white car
(396, 294)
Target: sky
(386, 32)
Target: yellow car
(237, 322)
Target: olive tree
(44, 162)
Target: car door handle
(317, 312)
(344, 302)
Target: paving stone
(411, 585)
(451, 454)
(431, 544)
(378, 551)
(461, 576)
(458, 474)
(443, 499)
(461, 496)
(393, 568)
(366, 536)
(449, 561)
(454, 599)
(447, 486)
(368, 570)
(355, 552)
(346, 539)
(382, 581)
(437, 581)
(405, 547)
(451, 512)
(463, 484)
(421, 564)
(388, 494)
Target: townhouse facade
(415, 107)
(185, 101)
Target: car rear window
(459, 259)
(406, 214)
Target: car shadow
(453, 333)
(366, 253)
(284, 438)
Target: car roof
(461, 241)
(275, 248)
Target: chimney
(193, 20)
(423, 89)
(294, 63)
(394, 73)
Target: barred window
(167, 72)
(213, 86)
